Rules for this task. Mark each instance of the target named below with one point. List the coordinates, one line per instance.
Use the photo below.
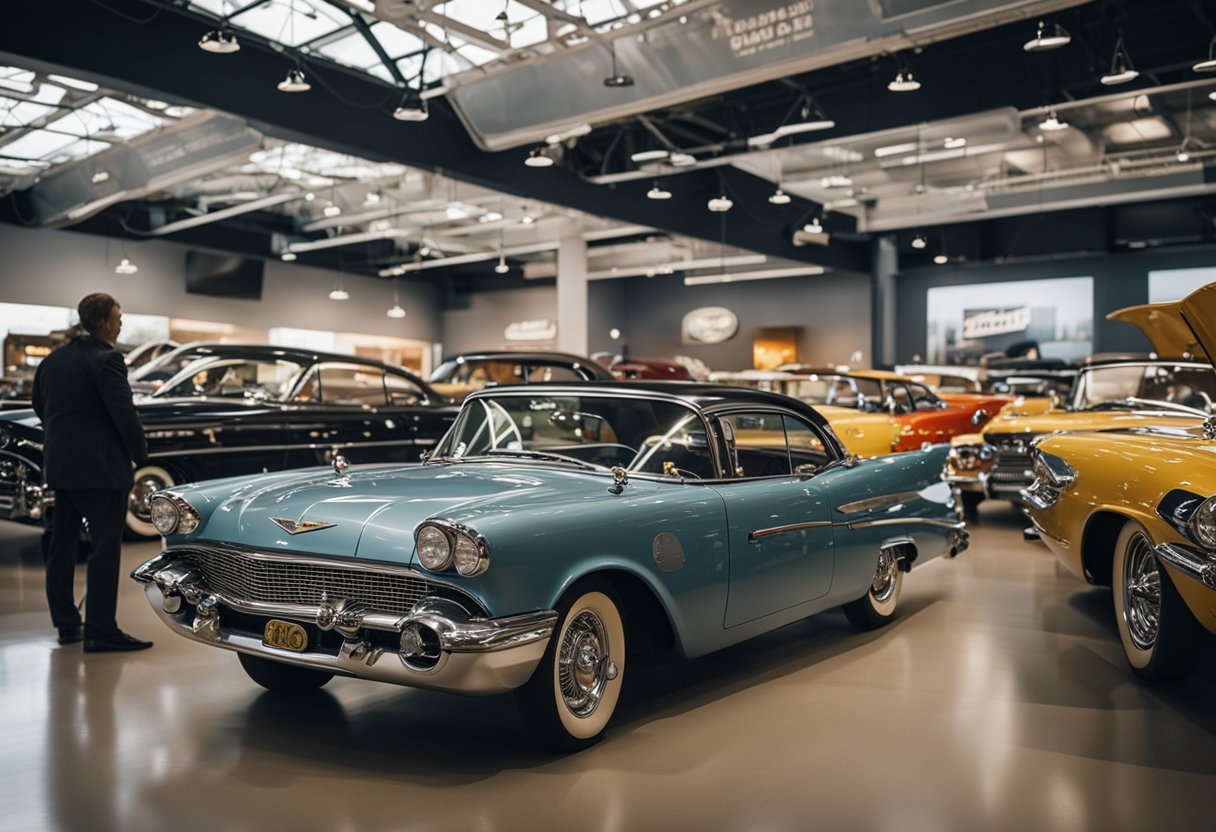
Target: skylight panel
(106, 117)
(396, 42)
(527, 25)
(74, 83)
(12, 78)
(37, 144)
(17, 113)
(20, 167)
(291, 22)
(352, 50)
(221, 8)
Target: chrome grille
(1011, 463)
(274, 579)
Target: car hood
(1163, 326)
(376, 510)
(1071, 420)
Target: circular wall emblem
(709, 325)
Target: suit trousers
(106, 511)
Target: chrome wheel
(885, 577)
(1141, 592)
(148, 480)
(584, 664)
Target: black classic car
(246, 409)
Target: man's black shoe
(71, 635)
(119, 643)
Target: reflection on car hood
(1069, 420)
(374, 511)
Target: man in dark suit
(93, 435)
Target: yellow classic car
(1135, 509)
(1170, 388)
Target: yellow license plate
(285, 635)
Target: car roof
(533, 357)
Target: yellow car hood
(864, 434)
(1066, 420)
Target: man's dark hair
(94, 310)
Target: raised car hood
(1198, 310)
(1068, 420)
(377, 509)
(1163, 326)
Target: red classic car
(926, 416)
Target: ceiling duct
(197, 145)
(720, 47)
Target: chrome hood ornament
(292, 527)
(340, 463)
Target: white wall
(58, 268)
(482, 325)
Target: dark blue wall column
(884, 270)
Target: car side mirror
(979, 417)
(807, 469)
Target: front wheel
(148, 480)
(877, 606)
(574, 690)
(1161, 638)
(282, 678)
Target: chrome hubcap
(140, 499)
(884, 577)
(584, 666)
(1141, 593)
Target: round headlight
(165, 516)
(469, 556)
(1203, 523)
(434, 548)
(6, 438)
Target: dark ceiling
(148, 48)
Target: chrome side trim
(792, 527)
(872, 503)
(1194, 563)
(956, 525)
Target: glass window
(807, 451)
(922, 398)
(352, 384)
(401, 390)
(233, 378)
(760, 448)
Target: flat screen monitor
(223, 275)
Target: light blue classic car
(555, 531)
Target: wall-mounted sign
(986, 322)
(709, 325)
(541, 329)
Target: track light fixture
(295, 82)
(220, 42)
(617, 78)
(720, 204)
(1047, 37)
(1052, 122)
(779, 197)
(904, 82)
(919, 242)
(658, 192)
(538, 157)
(1121, 69)
(1208, 65)
(412, 106)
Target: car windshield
(641, 435)
(1125, 385)
(238, 378)
(843, 391)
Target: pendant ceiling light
(1052, 122)
(287, 256)
(396, 310)
(904, 82)
(1121, 69)
(658, 192)
(295, 82)
(815, 226)
(720, 204)
(219, 42)
(1047, 37)
(412, 107)
(538, 157)
(339, 292)
(919, 242)
(617, 79)
(1208, 65)
(125, 266)
(779, 197)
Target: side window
(902, 398)
(401, 390)
(551, 373)
(922, 399)
(760, 448)
(807, 451)
(352, 384)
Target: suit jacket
(93, 433)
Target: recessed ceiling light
(1047, 37)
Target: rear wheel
(572, 695)
(282, 678)
(877, 606)
(148, 480)
(1161, 638)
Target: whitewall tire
(148, 480)
(877, 606)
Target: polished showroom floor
(998, 701)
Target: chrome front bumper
(1194, 563)
(975, 483)
(437, 645)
